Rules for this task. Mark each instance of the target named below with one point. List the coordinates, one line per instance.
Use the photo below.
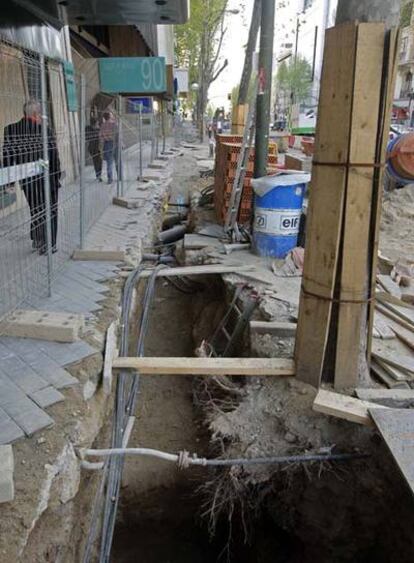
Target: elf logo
(289, 223)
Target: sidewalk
(33, 373)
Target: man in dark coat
(23, 143)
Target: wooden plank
(393, 372)
(396, 427)
(207, 269)
(99, 255)
(395, 398)
(389, 285)
(394, 317)
(44, 325)
(326, 200)
(392, 300)
(110, 353)
(385, 377)
(401, 312)
(208, 366)
(275, 328)
(355, 251)
(384, 330)
(391, 54)
(344, 407)
(399, 361)
(404, 338)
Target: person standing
(94, 149)
(22, 144)
(107, 136)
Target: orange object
(401, 156)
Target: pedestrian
(94, 148)
(23, 143)
(107, 136)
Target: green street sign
(133, 75)
(71, 95)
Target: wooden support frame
(327, 199)
(208, 366)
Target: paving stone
(9, 431)
(47, 397)
(65, 354)
(30, 351)
(28, 415)
(20, 372)
(6, 474)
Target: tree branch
(220, 70)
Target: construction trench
(357, 508)
(353, 509)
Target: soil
(397, 231)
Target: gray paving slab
(9, 431)
(65, 354)
(47, 397)
(85, 282)
(20, 372)
(9, 392)
(28, 415)
(31, 352)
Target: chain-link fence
(63, 160)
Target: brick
(6, 474)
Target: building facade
(403, 110)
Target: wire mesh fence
(62, 163)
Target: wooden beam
(208, 366)
(343, 406)
(399, 361)
(213, 269)
(274, 328)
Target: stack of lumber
(228, 149)
(345, 201)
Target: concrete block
(6, 474)
(55, 327)
(99, 255)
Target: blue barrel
(278, 208)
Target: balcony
(93, 12)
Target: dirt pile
(397, 225)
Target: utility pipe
(184, 459)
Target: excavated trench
(332, 514)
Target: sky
(233, 50)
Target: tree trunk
(250, 49)
(387, 11)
